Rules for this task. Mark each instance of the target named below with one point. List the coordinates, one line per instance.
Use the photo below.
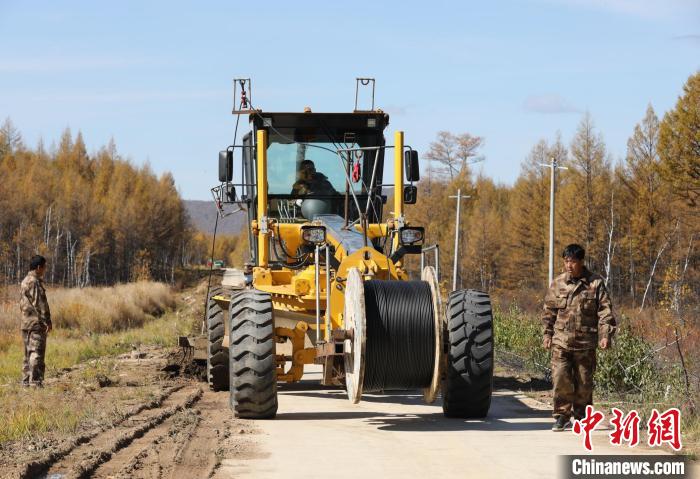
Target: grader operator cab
(326, 282)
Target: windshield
(311, 166)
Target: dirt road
(398, 436)
(186, 431)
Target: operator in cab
(311, 182)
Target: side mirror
(225, 166)
(410, 194)
(411, 165)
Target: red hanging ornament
(356, 172)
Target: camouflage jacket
(578, 311)
(33, 304)
(319, 185)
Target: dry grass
(65, 407)
(94, 322)
(97, 310)
(29, 412)
(65, 350)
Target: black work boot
(561, 423)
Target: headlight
(313, 234)
(411, 235)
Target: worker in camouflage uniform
(577, 317)
(36, 322)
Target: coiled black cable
(400, 348)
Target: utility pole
(553, 166)
(457, 222)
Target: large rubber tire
(217, 354)
(468, 382)
(253, 378)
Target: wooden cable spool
(393, 364)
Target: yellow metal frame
(263, 242)
(398, 174)
(300, 355)
(295, 291)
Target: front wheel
(467, 384)
(253, 379)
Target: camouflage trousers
(572, 375)
(34, 351)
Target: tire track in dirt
(84, 459)
(202, 455)
(38, 468)
(191, 443)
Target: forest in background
(101, 220)
(637, 218)
(97, 218)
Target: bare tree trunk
(653, 268)
(651, 275)
(19, 254)
(54, 263)
(66, 273)
(632, 279)
(611, 245)
(47, 226)
(85, 280)
(71, 266)
(430, 176)
(74, 264)
(678, 286)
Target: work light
(411, 235)
(313, 234)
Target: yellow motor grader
(326, 282)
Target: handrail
(436, 248)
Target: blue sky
(156, 76)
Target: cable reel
(394, 333)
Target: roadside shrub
(520, 334)
(633, 374)
(629, 366)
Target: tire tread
(467, 385)
(253, 379)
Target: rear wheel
(468, 382)
(217, 354)
(253, 379)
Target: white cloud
(395, 110)
(650, 9)
(549, 104)
(688, 38)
